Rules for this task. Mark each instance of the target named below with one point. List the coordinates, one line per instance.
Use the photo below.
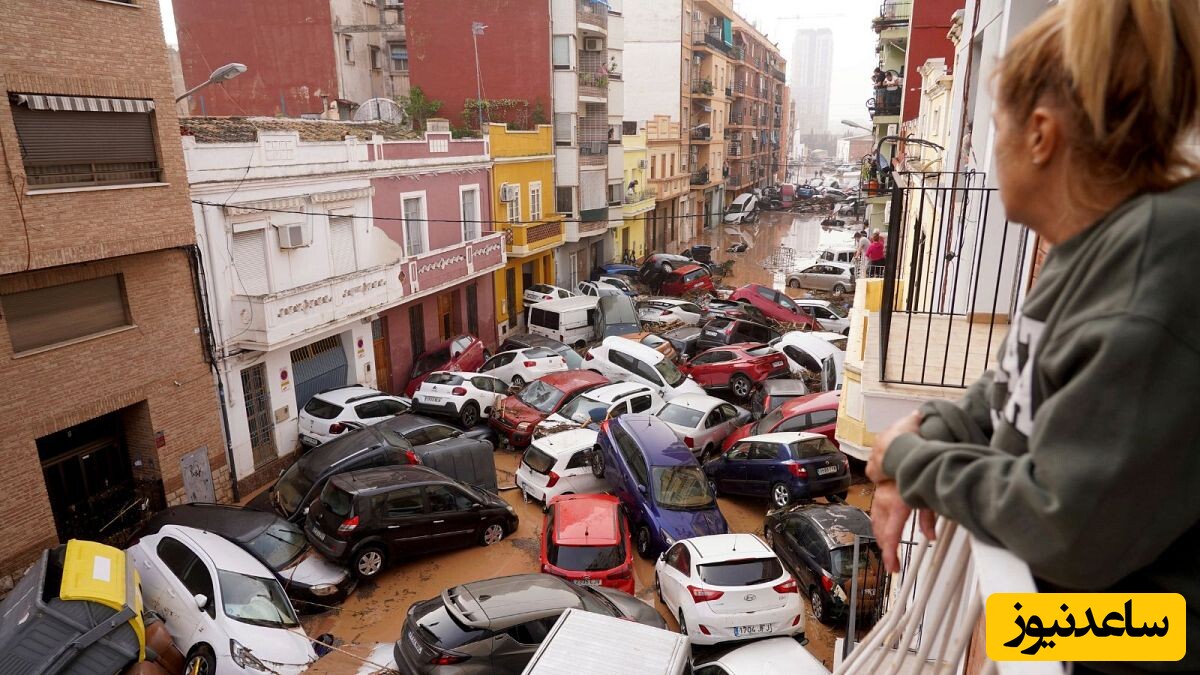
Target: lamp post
(856, 125)
(477, 29)
(223, 74)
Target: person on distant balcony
(1079, 452)
(876, 255)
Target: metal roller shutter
(317, 367)
(51, 138)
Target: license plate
(826, 470)
(759, 629)
(433, 399)
(416, 644)
(587, 582)
(320, 534)
(310, 442)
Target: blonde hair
(1127, 75)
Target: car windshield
(681, 416)
(293, 485)
(836, 311)
(255, 600)
(430, 362)
(670, 374)
(747, 572)
(538, 460)
(812, 447)
(842, 559)
(769, 422)
(541, 396)
(583, 409)
(279, 545)
(322, 409)
(786, 302)
(681, 488)
(586, 558)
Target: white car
(702, 421)
(523, 365)
(806, 352)
(838, 340)
(773, 656)
(623, 360)
(601, 403)
(539, 292)
(326, 414)
(468, 396)
(742, 209)
(833, 318)
(620, 283)
(598, 289)
(558, 465)
(224, 609)
(670, 310)
(725, 587)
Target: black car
(722, 332)
(730, 309)
(311, 581)
(685, 340)
(657, 266)
(371, 517)
(572, 357)
(816, 542)
(773, 393)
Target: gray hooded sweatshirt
(1080, 451)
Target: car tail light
(796, 621)
(337, 428)
(459, 391)
(348, 525)
(411, 456)
(687, 440)
(553, 479)
(446, 659)
(530, 364)
(846, 465)
(704, 629)
(788, 586)
(622, 572)
(797, 470)
(704, 594)
(547, 297)
(827, 584)
(587, 356)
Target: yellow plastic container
(94, 572)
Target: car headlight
(525, 426)
(667, 537)
(323, 589)
(510, 509)
(243, 658)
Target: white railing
(933, 617)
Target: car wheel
(819, 610)
(201, 661)
(666, 267)
(642, 541)
(658, 589)
(781, 496)
(597, 462)
(492, 534)
(843, 495)
(741, 386)
(368, 562)
(793, 283)
(469, 415)
(839, 289)
(518, 381)
(682, 625)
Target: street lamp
(856, 125)
(223, 74)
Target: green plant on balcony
(597, 80)
(706, 86)
(517, 114)
(418, 107)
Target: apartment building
(638, 199)
(96, 284)
(305, 58)
(756, 142)
(669, 224)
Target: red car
(516, 416)
(586, 541)
(688, 279)
(464, 353)
(815, 413)
(736, 367)
(775, 305)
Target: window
(381, 408)
(399, 52)
(59, 314)
(188, 568)
(764, 451)
(629, 128)
(614, 194)
(416, 327)
(564, 199)
(741, 451)
(672, 167)
(680, 558)
(819, 417)
(561, 49)
(348, 48)
(535, 201)
(562, 128)
(405, 502)
(473, 309)
(532, 632)
(444, 500)
(469, 212)
(376, 58)
(415, 224)
(69, 141)
(341, 245)
(579, 460)
(653, 167)
(514, 207)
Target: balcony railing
(739, 87)
(953, 273)
(592, 13)
(711, 39)
(702, 134)
(528, 238)
(777, 74)
(734, 180)
(893, 13)
(702, 87)
(885, 103)
(700, 177)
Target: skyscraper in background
(812, 69)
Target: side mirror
(476, 507)
(201, 600)
(642, 489)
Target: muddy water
(372, 618)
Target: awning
(83, 103)
(707, 108)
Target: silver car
(496, 625)
(824, 276)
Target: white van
(571, 321)
(584, 643)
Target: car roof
(839, 522)
(840, 265)
(806, 341)
(232, 522)
(715, 548)
(784, 386)
(568, 304)
(701, 402)
(742, 346)
(657, 440)
(370, 480)
(611, 392)
(340, 448)
(812, 302)
(504, 601)
(587, 520)
(348, 394)
(224, 554)
(784, 437)
(819, 401)
(407, 422)
(566, 442)
(535, 340)
(742, 198)
(635, 349)
(573, 380)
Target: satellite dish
(382, 110)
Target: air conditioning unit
(593, 44)
(509, 192)
(296, 235)
(642, 164)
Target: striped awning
(84, 103)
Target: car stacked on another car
(624, 360)
(656, 342)
(702, 421)
(559, 464)
(807, 354)
(782, 467)
(523, 365)
(729, 309)
(527, 340)
(370, 518)
(687, 280)
(721, 332)
(773, 393)
(467, 397)
(598, 289)
(815, 413)
(836, 277)
(592, 407)
(737, 368)
(585, 540)
(542, 292)
(831, 317)
(776, 306)
(335, 411)
(463, 353)
(669, 310)
(516, 417)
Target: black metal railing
(953, 272)
(886, 102)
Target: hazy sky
(853, 42)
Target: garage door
(317, 367)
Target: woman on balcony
(1080, 451)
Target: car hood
(737, 435)
(688, 524)
(274, 646)
(314, 570)
(688, 386)
(515, 412)
(633, 608)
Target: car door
(184, 575)
(453, 516)
(500, 366)
(798, 537)
(733, 476)
(646, 374)
(729, 422)
(513, 647)
(760, 467)
(808, 276)
(675, 575)
(703, 367)
(578, 477)
(405, 520)
(764, 299)
(710, 428)
(621, 366)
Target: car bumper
(538, 494)
(721, 627)
(311, 441)
(448, 408)
(821, 487)
(333, 549)
(517, 439)
(306, 601)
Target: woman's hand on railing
(889, 513)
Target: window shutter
(341, 244)
(562, 51)
(47, 316)
(65, 137)
(250, 262)
(562, 128)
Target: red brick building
(108, 400)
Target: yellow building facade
(629, 240)
(523, 207)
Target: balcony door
(510, 288)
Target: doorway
(318, 366)
(446, 315)
(383, 356)
(510, 289)
(89, 479)
(258, 415)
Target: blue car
(660, 484)
(782, 467)
(614, 270)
